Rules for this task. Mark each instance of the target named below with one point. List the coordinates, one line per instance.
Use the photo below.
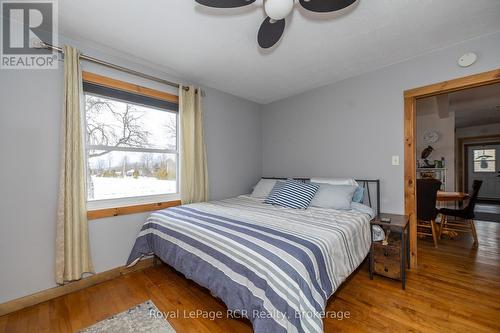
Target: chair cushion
(461, 213)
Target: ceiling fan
(273, 26)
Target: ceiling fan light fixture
(272, 28)
(278, 9)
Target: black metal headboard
(367, 184)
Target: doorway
(410, 102)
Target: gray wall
(234, 144)
(30, 106)
(353, 127)
(30, 111)
(350, 128)
(444, 147)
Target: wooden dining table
(443, 196)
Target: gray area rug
(487, 212)
(136, 319)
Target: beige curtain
(194, 173)
(72, 240)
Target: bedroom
(327, 101)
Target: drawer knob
(385, 269)
(386, 253)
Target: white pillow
(363, 209)
(335, 181)
(333, 196)
(263, 188)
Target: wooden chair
(465, 221)
(426, 208)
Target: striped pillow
(274, 192)
(296, 194)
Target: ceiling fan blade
(270, 32)
(323, 6)
(225, 3)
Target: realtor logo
(25, 25)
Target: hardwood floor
(456, 288)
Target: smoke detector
(467, 59)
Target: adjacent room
(460, 133)
(249, 166)
(457, 138)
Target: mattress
(275, 266)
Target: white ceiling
(472, 107)
(218, 48)
(478, 106)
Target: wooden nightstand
(390, 260)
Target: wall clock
(431, 137)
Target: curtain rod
(117, 67)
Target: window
(484, 160)
(131, 146)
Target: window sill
(132, 209)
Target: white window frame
(494, 160)
(137, 200)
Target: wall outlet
(395, 160)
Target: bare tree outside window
(127, 130)
(131, 149)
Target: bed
(275, 266)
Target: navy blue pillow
(296, 194)
(278, 186)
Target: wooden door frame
(410, 106)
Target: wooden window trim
(144, 91)
(128, 87)
(127, 210)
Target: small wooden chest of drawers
(389, 260)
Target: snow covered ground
(112, 188)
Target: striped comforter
(277, 266)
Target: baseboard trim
(48, 294)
